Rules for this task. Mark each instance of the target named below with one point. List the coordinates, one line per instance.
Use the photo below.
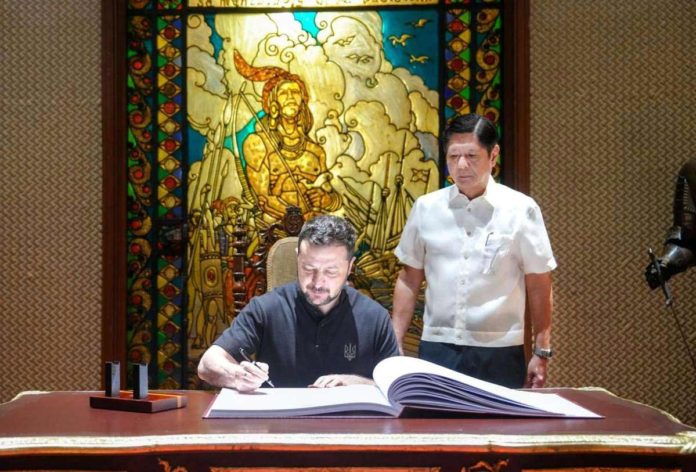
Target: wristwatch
(544, 353)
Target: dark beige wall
(50, 196)
(613, 116)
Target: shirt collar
(490, 196)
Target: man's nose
(317, 278)
(462, 162)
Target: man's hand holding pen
(252, 374)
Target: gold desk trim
(682, 443)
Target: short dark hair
(481, 127)
(328, 230)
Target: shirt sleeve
(244, 333)
(535, 247)
(385, 342)
(411, 249)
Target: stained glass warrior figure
(284, 166)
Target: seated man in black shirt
(315, 332)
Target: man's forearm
(405, 295)
(219, 374)
(540, 294)
(401, 316)
(222, 376)
(541, 323)
(219, 369)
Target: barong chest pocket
(496, 248)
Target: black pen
(248, 359)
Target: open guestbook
(405, 386)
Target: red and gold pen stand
(139, 400)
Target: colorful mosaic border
(155, 243)
(141, 141)
(473, 56)
(170, 198)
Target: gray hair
(328, 230)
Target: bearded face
(322, 272)
(289, 99)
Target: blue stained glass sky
(423, 45)
(306, 18)
(417, 53)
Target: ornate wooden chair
(281, 262)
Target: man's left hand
(536, 372)
(337, 380)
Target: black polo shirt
(300, 344)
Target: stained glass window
(243, 115)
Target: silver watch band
(545, 353)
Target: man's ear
(494, 153)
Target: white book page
(557, 404)
(388, 370)
(298, 400)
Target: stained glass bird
(400, 40)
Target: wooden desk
(60, 430)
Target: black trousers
(500, 365)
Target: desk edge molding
(683, 443)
